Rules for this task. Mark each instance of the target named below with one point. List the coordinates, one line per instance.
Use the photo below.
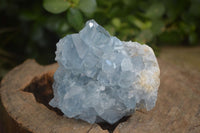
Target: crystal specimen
(101, 78)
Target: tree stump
(26, 91)
(177, 108)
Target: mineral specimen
(101, 78)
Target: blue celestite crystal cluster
(101, 78)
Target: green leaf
(87, 6)
(145, 36)
(75, 18)
(56, 6)
(116, 22)
(63, 27)
(157, 26)
(155, 10)
(75, 2)
(139, 23)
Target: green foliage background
(30, 29)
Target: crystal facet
(101, 78)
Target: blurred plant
(75, 9)
(152, 22)
(27, 30)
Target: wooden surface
(33, 116)
(178, 105)
(25, 92)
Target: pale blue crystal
(101, 78)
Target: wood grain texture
(23, 94)
(178, 105)
(30, 114)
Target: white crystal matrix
(101, 78)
